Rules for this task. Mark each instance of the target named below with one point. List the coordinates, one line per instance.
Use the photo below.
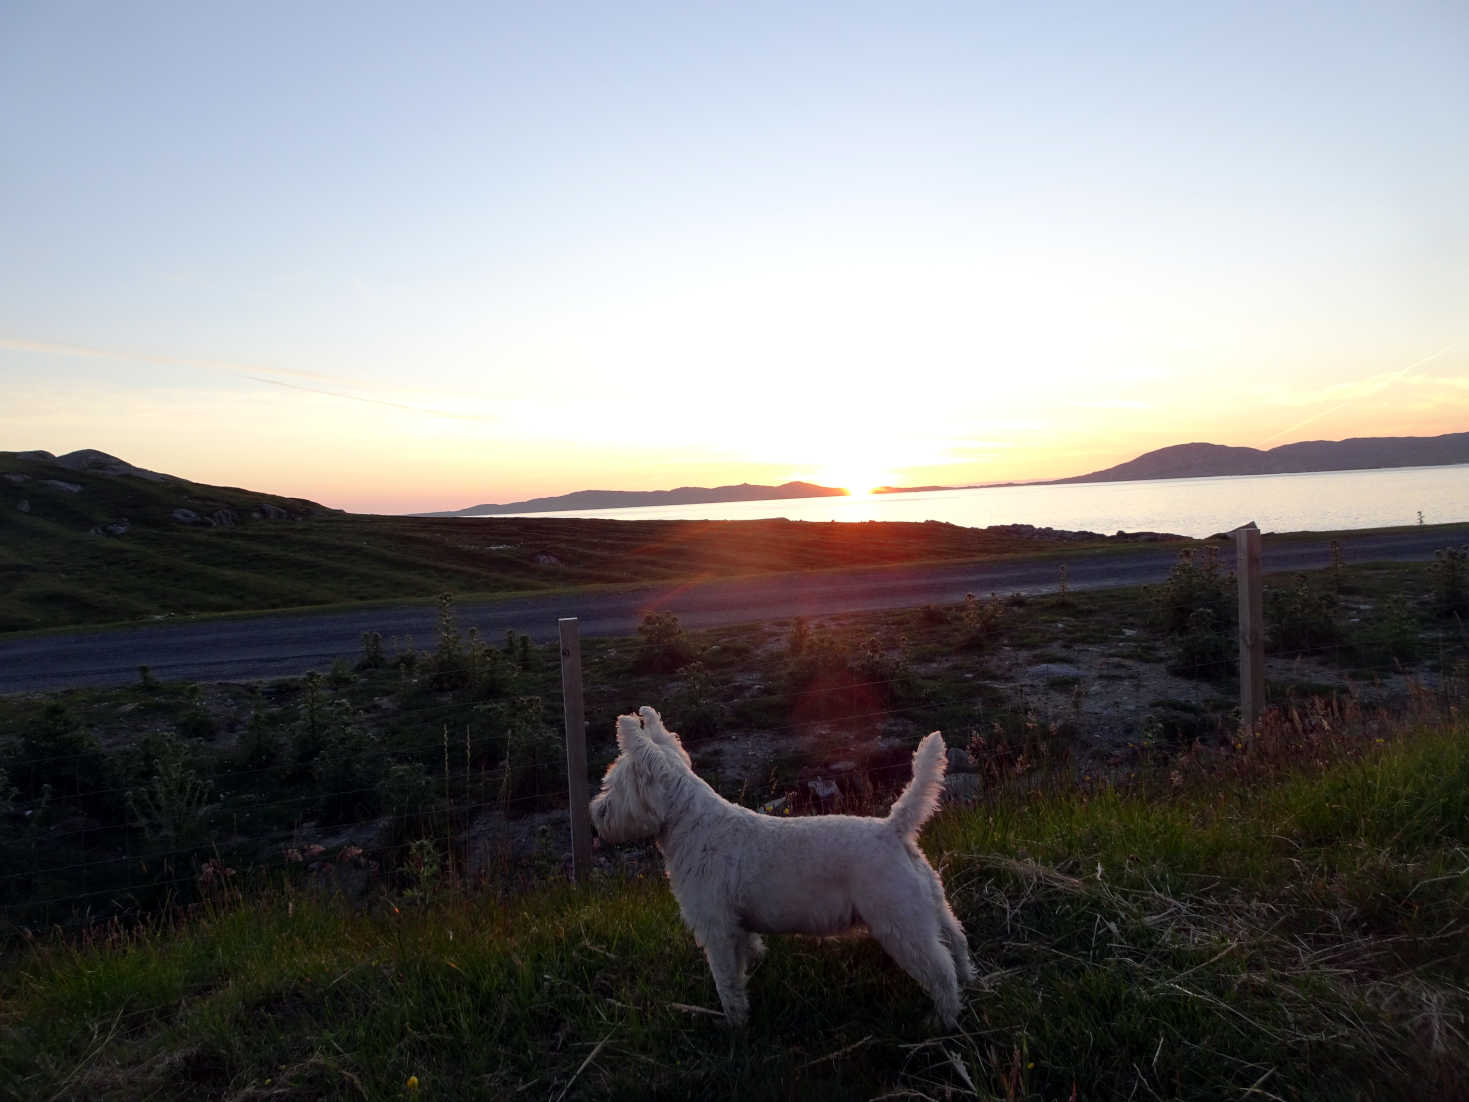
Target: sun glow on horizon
(856, 479)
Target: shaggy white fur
(737, 874)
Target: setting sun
(856, 479)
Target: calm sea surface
(1318, 502)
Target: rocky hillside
(104, 495)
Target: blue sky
(406, 257)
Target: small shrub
(1203, 649)
(423, 869)
(263, 742)
(405, 658)
(309, 732)
(1197, 581)
(348, 766)
(518, 648)
(169, 797)
(981, 620)
(197, 723)
(1195, 609)
(1020, 742)
(448, 665)
(1301, 617)
(800, 637)
(836, 673)
(409, 794)
(490, 673)
(54, 751)
(664, 647)
(1393, 634)
(373, 657)
(535, 762)
(933, 616)
(696, 706)
(8, 794)
(1449, 577)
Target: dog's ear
(629, 733)
(661, 735)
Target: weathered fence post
(1251, 624)
(576, 748)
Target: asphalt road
(258, 647)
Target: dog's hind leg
(923, 955)
(952, 935)
(754, 953)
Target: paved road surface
(290, 644)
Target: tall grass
(1294, 935)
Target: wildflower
(412, 1082)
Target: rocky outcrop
(89, 459)
(219, 518)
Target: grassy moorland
(312, 889)
(1288, 921)
(94, 548)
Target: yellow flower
(413, 1082)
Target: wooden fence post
(576, 749)
(1251, 625)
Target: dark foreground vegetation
(352, 884)
(1291, 921)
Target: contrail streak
(1396, 376)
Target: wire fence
(369, 795)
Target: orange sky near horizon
(389, 451)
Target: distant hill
(624, 499)
(1358, 453)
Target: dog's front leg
(728, 952)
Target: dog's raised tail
(920, 799)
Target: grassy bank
(1302, 935)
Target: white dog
(737, 874)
